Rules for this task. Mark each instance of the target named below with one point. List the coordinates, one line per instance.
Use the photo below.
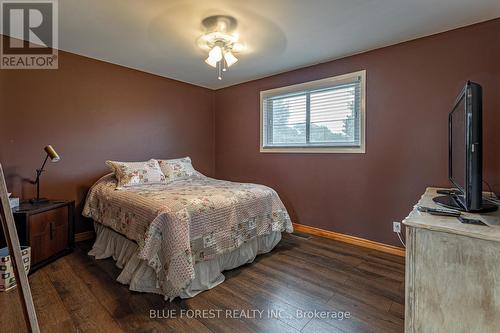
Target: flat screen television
(465, 158)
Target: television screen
(465, 139)
(458, 145)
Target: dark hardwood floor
(302, 275)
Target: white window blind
(319, 116)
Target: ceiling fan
(221, 41)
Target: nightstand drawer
(47, 227)
(48, 233)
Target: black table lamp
(51, 153)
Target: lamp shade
(214, 56)
(211, 62)
(52, 153)
(230, 58)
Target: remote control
(440, 212)
(471, 221)
(447, 192)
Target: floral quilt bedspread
(186, 221)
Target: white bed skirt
(140, 277)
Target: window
(324, 116)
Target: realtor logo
(32, 28)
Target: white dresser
(452, 272)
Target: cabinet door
(48, 233)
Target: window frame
(312, 85)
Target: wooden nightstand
(48, 228)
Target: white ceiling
(159, 36)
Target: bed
(175, 239)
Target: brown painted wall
(410, 89)
(91, 111)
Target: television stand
(451, 201)
(452, 271)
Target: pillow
(131, 174)
(179, 168)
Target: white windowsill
(314, 150)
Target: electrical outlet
(396, 226)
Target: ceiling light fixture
(220, 39)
